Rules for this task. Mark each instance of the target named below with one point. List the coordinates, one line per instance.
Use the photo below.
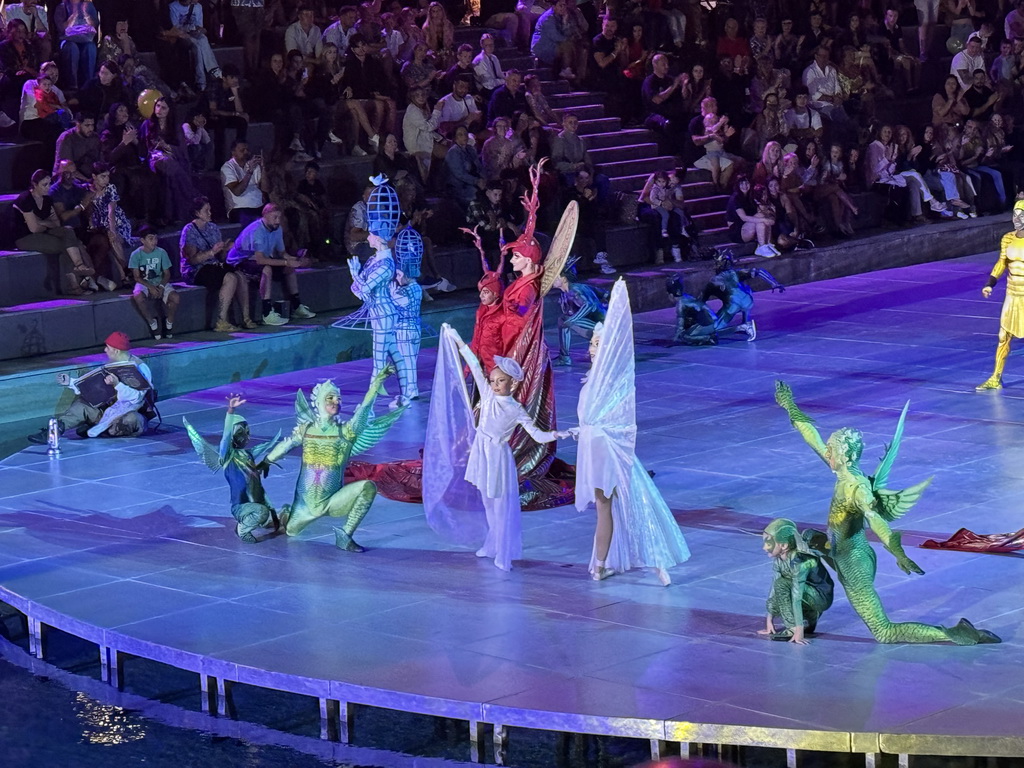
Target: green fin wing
(259, 453)
(892, 505)
(369, 434)
(303, 410)
(881, 477)
(209, 454)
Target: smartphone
(305, 73)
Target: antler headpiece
(526, 244)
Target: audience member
(496, 153)
(748, 219)
(967, 61)
(663, 100)
(104, 90)
(556, 43)
(822, 82)
(151, 268)
(537, 102)
(463, 67)
(202, 251)
(508, 98)
(487, 69)
(79, 144)
(949, 106)
(457, 109)
(439, 35)
(341, 31)
(32, 127)
(419, 72)
(304, 36)
(259, 254)
(37, 24)
(244, 184)
(715, 132)
(76, 22)
(420, 132)
(365, 89)
(463, 169)
(109, 221)
(225, 107)
(980, 97)
(163, 142)
(187, 17)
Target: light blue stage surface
(135, 536)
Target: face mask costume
(859, 500)
(327, 445)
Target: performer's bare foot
(343, 540)
(663, 576)
(993, 382)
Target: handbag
(80, 33)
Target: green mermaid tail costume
(859, 499)
(327, 445)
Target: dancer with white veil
(635, 528)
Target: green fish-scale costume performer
(859, 499)
(801, 587)
(327, 445)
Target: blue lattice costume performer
(243, 468)
(327, 445)
(583, 307)
(407, 294)
(371, 282)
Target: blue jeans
(79, 62)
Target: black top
(27, 204)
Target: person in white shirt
(304, 36)
(822, 81)
(244, 184)
(419, 132)
(487, 68)
(457, 108)
(968, 60)
(31, 126)
(340, 31)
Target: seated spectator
(949, 106)
(695, 88)
(528, 141)
(119, 149)
(324, 92)
(508, 98)
(942, 173)
(33, 15)
(304, 36)
(663, 101)
(859, 85)
(48, 104)
(464, 172)
(108, 219)
(496, 153)
(967, 61)
(340, 32)
(897, 64)
(881, 171)
(795, 194)
(769, 125)
(439, 35)
(175, 55)
(244, 184)
(1005, 71)
(365, 89)
(716, 131)
(393, 37)
(163, 143)
(357, 228)
(113, 46)
(38, 229)
(731, 45)
(419, 132)
(76, 22)
(202, 250)
(18, 65)
(463, 67)
(658, 195)
(493, 219)
(997, 152)
(187, 17)
(769, 166)
(259, 254)
(557, 43)
(822, 82)
(1013, 24)
(71, 198)
(32, 127)
(125, 416)
(311, 194)
(760, 42)
(151, 268)
(79, 144)
(767, 80)
(198, 143)
(832, 184)
(502, 15)
(104, 90)
(307, 135)
(457, 109)
(973, 157)
(569, 155)
(529, 13)
(729, 88)
(411, 31)
(419, 72)
(137, 78)
(225, 108)
(749, 218)
(982, 99)
(487, 69)
(638, 53)
(816, 36)
(786, 48)
(537, 102)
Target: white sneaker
(273, 318)
(752, 330)
(936, 206)
(301, 157)
(333, 138)
(296, 145)
(374, 141)
(358, 151)
(445, 286)
(153, 325)
(567, 74)
(302, 312)
(677, 255)
(607, 269)
(5, 121)
(109, 285)
(765, 251)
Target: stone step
(709, 220)
(618, 138)
(19, 159)
(643, 166)
(587, 112)
(550, 87)
(576, 100)
(513, 59)
(591, 125)
(625, 152)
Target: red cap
(119, 340)
(491, 281)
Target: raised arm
(799, 419)
(472, 361)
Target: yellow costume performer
(1011, 321)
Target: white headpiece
(321, 392)
(598, 330)
(509, 366)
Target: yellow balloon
(147, 100)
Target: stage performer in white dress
(635, 527)
(491, 466)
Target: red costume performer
(487, 339)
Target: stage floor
(131, 542)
